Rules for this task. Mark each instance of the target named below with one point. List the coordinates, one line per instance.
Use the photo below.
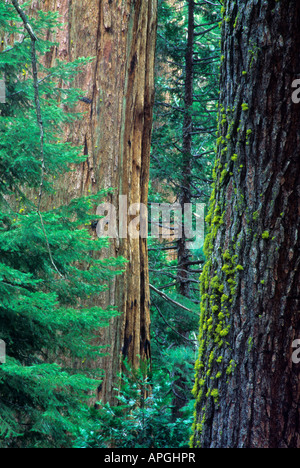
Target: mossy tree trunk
(115, 134)
(247, 385)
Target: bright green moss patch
(215, 394)
(230, 368)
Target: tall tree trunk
(185, 197)
(247, 385)
(183, 275)
(115, 133)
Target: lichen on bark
(246, 386)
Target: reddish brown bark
(115, 133)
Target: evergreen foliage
(167, 155)
(142, 419)
(50, 273)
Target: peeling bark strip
(247, 385)
(121, 34)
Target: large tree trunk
(247, 385)
(115, 133)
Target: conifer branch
(168, 299)
(172, 328)
(25, 21)
(34, 39)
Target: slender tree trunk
(115, 133)
(247, 387)
(180, 389)
(183, 275)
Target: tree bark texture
(115, 134)
(247, 385)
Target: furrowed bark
(247, 385)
